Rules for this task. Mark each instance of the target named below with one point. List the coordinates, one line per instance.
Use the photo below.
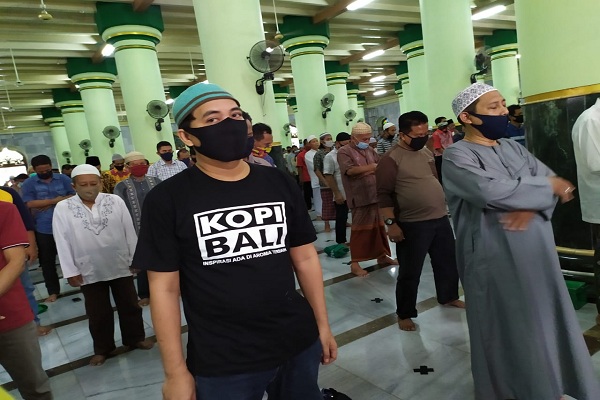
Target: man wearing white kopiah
(96, 240)
(526, 342)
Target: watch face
(389, 221)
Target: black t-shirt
(230, 243)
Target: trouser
(596, 238)
(436, 238)
(318, 201)
(21, 357)
(295, 379)
(307, 190)
(341, 219)
(143, 287)
(47, 257)
(29, 289)
(101, 315)
(438, 167)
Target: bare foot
(145, 344)
(144, 302)
(357, 270)
(43, 330)
(97, 360)
(457, 304)
(407, 325)
(387, 261)
(318, 218)
(327, 226)
(51, 299)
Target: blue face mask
(362, 145)
(493, 126)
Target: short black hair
(246, 116)
(40, 160)
(162, 143)
(407, 120)
(259, 130)
(512, 108)
(22, 176)
(186, 122)
(182, 151)
(439, 119)
(470, 109)
(66, 166)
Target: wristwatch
(389, 221)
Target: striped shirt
(384, 145)
(164, 171)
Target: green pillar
(337, 75)
(360, 113)
(450, 51)
(95, 85)
(281, 106)
(71, 108)
(411, 44)
(556, 91)
(135, 36)
(505, 65)
(175, 91)
(352, 90)
(53, 117)
(402, 87)
(305, 42)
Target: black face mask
(119, 167)
(518, 119)
(45, 175)
(418, 143)
(166, 156)
(493, 126)
(226, 141)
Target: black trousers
(341, 219)
(596, 238)
(101, 315)
(307, 189)
(47, 257)
(143, 286)
(438, 167)
(436, 238)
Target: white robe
(97, 244)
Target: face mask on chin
(362, 145)
(493, 127)
(225, 141)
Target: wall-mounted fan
(86, 145)
(286, 129)
(266, 57)
(158, 110)
(361, 120)
(483, 63)
(111, 133)
(349, 115)
(67, 156)
(327, 103)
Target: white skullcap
(372, 140)
(311, 137)
(387, 126)
(133, 156)
(465, 98)
(84, 169)
(322, 135)
(116, 157)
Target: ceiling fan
(18, 82)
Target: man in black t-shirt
(230, 237)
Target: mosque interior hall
(86, 78)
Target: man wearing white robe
(96, 240)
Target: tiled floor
(376, 366)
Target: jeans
(436, 238)
(341, 219)
(295, 379)
(47, 255)
(29, 289)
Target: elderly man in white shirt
(166, 167)
(333, 176)
(96, 240)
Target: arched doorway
(12, 163)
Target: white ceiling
(40, 48)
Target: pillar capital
(175, 91)
(502, 43)
(411, 40)
(282, 93)
(336, 73)
(296, 28)
(118, 21)
(352, 89)
(303, 45)
(81, 66)
(52, 116)
(65, 99)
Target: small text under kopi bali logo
(240, 233)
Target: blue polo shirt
(517, 134)
(36, 189)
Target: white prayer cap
(322, 135)
(116, 157)
(84, 169)
(387, 126)
(372, 140)
(134, 156)
(465, 98)
(311, 137)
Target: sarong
(368, 238)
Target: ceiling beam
(393, 42)
(141, 5)
(331, 11)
